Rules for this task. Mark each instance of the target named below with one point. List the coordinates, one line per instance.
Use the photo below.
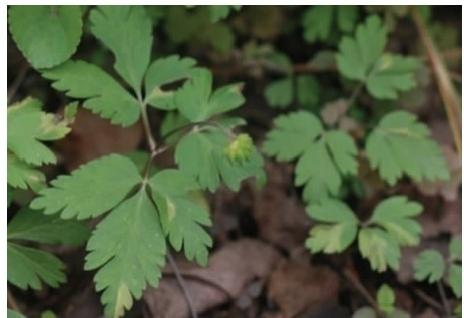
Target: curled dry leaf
(334, 111)
(229, 272)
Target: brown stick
(445, 86)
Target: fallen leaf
(229, 272)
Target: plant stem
(428, 300)
(17, 82)
(183, 287)
(153, 153)
(362, 290)
(444, 300)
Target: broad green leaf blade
(391, 145)
(391, 75)
(455, 279)
(455, 249)
(292, 135)
(46, 35)
(346, 17)
(13, 314)
(317, 23)
(339, 234)
(27, 126)
(219, 12)
(165, 71)
(358, 55)
(197, 102)
(279, 93)
(126, 31)
(91, 190)
(181, 217)
(34, 226)
(21, 175)
(202, 155)
(102, 94)
(379, 248)
(128, 249)
(307, 91)
(386, 299)
(429, 266)
(395, 215)
(29, 267)
(343, 151)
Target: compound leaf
(34, 226)
(128, 248)
(317, 23)
(28, 267)
(27, 126)
(126, 31)
(455, 249)
(395, 215)
(386, 298)
(165, 71)
(103, 95)
(301, 128)
(379, 248)
(21, 175)
(429, 266)
(455, 279)
(91, 190)
(197, 102)
(361, 58)
(401, 145)
(46, 35)
(202, 154)
(340, 231)
(181, 217)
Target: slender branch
(362, 290)
(355, 94)
(428, 300)
(444, 300)
(182, 285)
(17, 82)
(147, 128)
(11, 300)
(445, 86)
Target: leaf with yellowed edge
(379, 248)
(128, 248)
(181, 216)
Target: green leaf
(279, 93)
(386, 299)
(285, 141)
(21, 175)
(103, 95)
(317, 23)
(181, 217)
(455, 249)
(91, 190)
(13, 314)
(365, 312)
(202, 155)
(219, 12)
(361, 58)
(455, 279)
(379, 248)
(395, 215)
(196, 101)
(28, 267)
(347, 17)
(324, 156)
(307, 91)
(128, 248)
(165, 71)
(46, 35)
(429, 266)
(27, 126)
(34, 226)
(400, 145)
(338, 234)
(126, 31)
